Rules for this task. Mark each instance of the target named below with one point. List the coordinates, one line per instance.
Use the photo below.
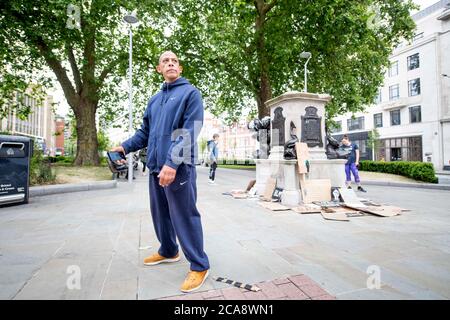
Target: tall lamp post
(306, 55)
(131, 19)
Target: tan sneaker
(157, 259)
(194, 280)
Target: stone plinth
(307, 112)
(285, 171)
(294, 106)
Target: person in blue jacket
(171, 124)
(213, 156)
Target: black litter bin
(15, 154)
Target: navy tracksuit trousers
(175, 215)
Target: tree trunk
(265, 89)
(87, 143)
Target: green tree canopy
(248, 50)
(84, 44)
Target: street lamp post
(306, 55)
(130, 19)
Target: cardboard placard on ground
(315, 190)
(307, 208)
(350, 198)
(338, 216)
(302, 151)
(239, 195)
(273, 206)
(270, 186)
(250, 185)
(382, 211)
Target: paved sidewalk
(103, 236)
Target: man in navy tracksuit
(171, 124)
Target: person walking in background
(143, 159)
(213, 156)
(351, 167)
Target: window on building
(418, 36)
(394, 149)
(377, 99)
(394, 92)
(337, 127)
(355, 124)
(415, 114)
(413, 62)
(378, 120)
(396, 154)
(393, 70)
(395, 118)
(414, 87)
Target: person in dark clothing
(352, 163)
(170, 127)
(213, 156)
(143, 159)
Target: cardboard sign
(307, 208)
(338, 216)
(382, 211)
(250, 185)
(302, 156)
(270, 186)
(350, 198)
(273, 206)
(315, 190)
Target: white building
(412, 110)
(39, 125)
(235, 141)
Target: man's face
(169, 66)
(345, 142)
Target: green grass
(236, 166)
(74, 174)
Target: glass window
(418, 36)
(413, 62)
(414, 87)
(393, 70)
(415, 114)
(337, 127)
(395, 118)
(378, 97)
(355, 124)
(396, 154)
(378, 120)
(394, 92)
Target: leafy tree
(85, 45)
(374, 142)
(243, 50)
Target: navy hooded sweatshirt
(172, 122)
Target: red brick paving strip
(292, 291)
(298, 287)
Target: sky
(63, 107)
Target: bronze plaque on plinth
(312, 128)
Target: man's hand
(166, 176)
(119, 149)
(357, 164)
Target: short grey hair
(165, 52)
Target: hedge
(242, 162)
(63, 159)
(421, 171)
